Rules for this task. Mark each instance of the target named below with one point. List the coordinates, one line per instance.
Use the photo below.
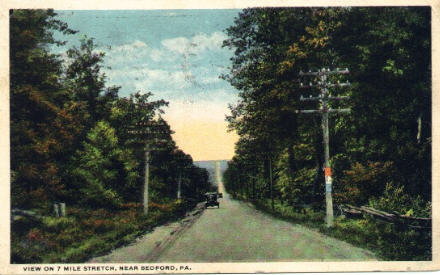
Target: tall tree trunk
(419, 128)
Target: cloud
(157, 55)
(178, 44)
(196, 44)
(209, 80)
(144, 78)
(162, 79)
(187, 67)
(132, 48)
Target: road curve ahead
(237, 232)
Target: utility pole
(271, 183)
(324, 98)
(145, 135)
(179, 184)
(147, 180)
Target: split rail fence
(351, 211)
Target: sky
(176, 55)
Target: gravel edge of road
(185, 224)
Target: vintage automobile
(211, 199)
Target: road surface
(237, 232)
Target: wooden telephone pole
(179, 186)
(324, 98)
(145, 197)
(147, 136)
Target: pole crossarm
(325, 71)
(345, 110)
(320, 97)
(346, 84)
(324, 85)
(338, 97)
(310, 98)
(308, 111)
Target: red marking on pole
(327, 171)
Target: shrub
(363, 181)
(52, 224)
(395, 199)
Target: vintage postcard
(229, 137)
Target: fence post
(56, 209)
(62, 209)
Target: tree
(96, 172)
(388, 53)
(86, 82)
(41, 128)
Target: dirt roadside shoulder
(150, 246)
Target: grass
(387, 241)
(86, 233)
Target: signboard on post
(327, 171)
(328, 179)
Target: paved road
(238, 232)
(235, 232)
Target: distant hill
(210, 166)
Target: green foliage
(294, 186)
(87, 233)
(71, 142)
(362, 182)
(40, 125)
(380, 153)
(57, 224)
(395, 199)
(95, 172)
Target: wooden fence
(351, 211)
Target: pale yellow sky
(200, 129)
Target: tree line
(380, 152)
(71, 134)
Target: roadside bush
(52, 224)
(395, 199)
(363, 181)
(294, 186)
(86, 233)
